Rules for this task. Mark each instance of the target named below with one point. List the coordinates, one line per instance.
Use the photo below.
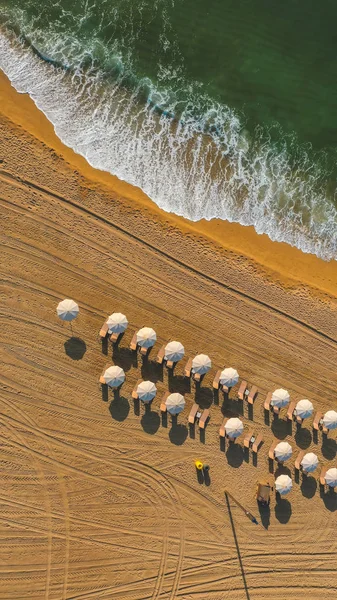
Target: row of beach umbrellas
(284, 484)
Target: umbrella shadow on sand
(119, 408)
(329, 448)
(178, 432)
(303, 438)
(234, 455)
(150, 420)
(308, 486)
(282, 509)
(75, 348)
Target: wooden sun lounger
(169, 364)
(216, 380)
(222, 430)
(248, 437)
(203, 419)
(267, 402)
(252, 394)
(160, 355)
(134, 391)
(242, 390)
(101, 379)
(114, 337)
(133, 343)
(322, 476)
(143, 350)
(299, 420)
(299, 459)
(196, 376)
(272, 449)
(257, 443)
(317, 419)
(104, 330)
(290, 411)
(163, 400)
(193, 412)
(188, 367)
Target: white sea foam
(224, 174)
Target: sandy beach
(100, 497)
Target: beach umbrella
(283, 484)
(331, 477)
(201, 364)
(67, 310)
(146, 391)
(114, 376)
(146, 337)
(280, 398)
(175, 403)
(174, 351)
(283, 451)
(309, 462)
(229, 377)
(304, 409)
(234, 427)
(117, 323)
(330, 419)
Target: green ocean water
(220, 108)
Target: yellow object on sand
(198, 465)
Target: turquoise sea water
(215, 108)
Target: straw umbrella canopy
(114, 376)
(174, 351)
(330, 419)
(146, 391)
(117, 323)
(283, 451)
(331, 477)
(146, 337)
(283, 484)
(304, 409)
(280, 398)
(67, 310)
(175, 403)
(234, 427)
(201, 364)
(229, 377)
(309, 462)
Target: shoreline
(275, 259)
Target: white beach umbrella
(280, 398)
(229, 377)
(331, 477)
(174, 351)
(146, 337)
(234, 427)
(175, 403)
(309, 462)
(114, 376)
(283, 451)
(304, 409)
(67, 310)
(146, 391)
(283, 484)
(117, 323)
(330, 419)
(201, 364)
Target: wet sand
(100, 497)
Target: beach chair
(113, 337)
(317, 419)
(169, 364)
(322, 476)
(257, 443)
(188, 367)
(242, 390)
(272, 450)
(160, 355)
(248, 437)
(193, 412)
(101, 379)
(299, 459)
(143, 350)
(216, 380)
(103, 332)
(163, 400)
(267, 402)
(252, 394)
(299, 420)
(134, 391)
(290, 411)
(196, 376)
(222, 430)
(133, 343)
(203, 419)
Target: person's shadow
(75, 348)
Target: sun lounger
(134, 391)
(299, 459)
(143, 350)
(163, 407)
(242, 390)
(169, 364)
(248, 437)
(196, 376)
(192, 415)
(257, 443)
(267, 402)
(114, 337)
(160, 355)
(272, 449)
(104, 330)
(316, 422)
(203, 418)
(133, 343)
(252, 394)
(322, 476)
(299, 420)
(216, 380)
(290, 411)
(188, 367)
(222, 430)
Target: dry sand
(98, 499)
